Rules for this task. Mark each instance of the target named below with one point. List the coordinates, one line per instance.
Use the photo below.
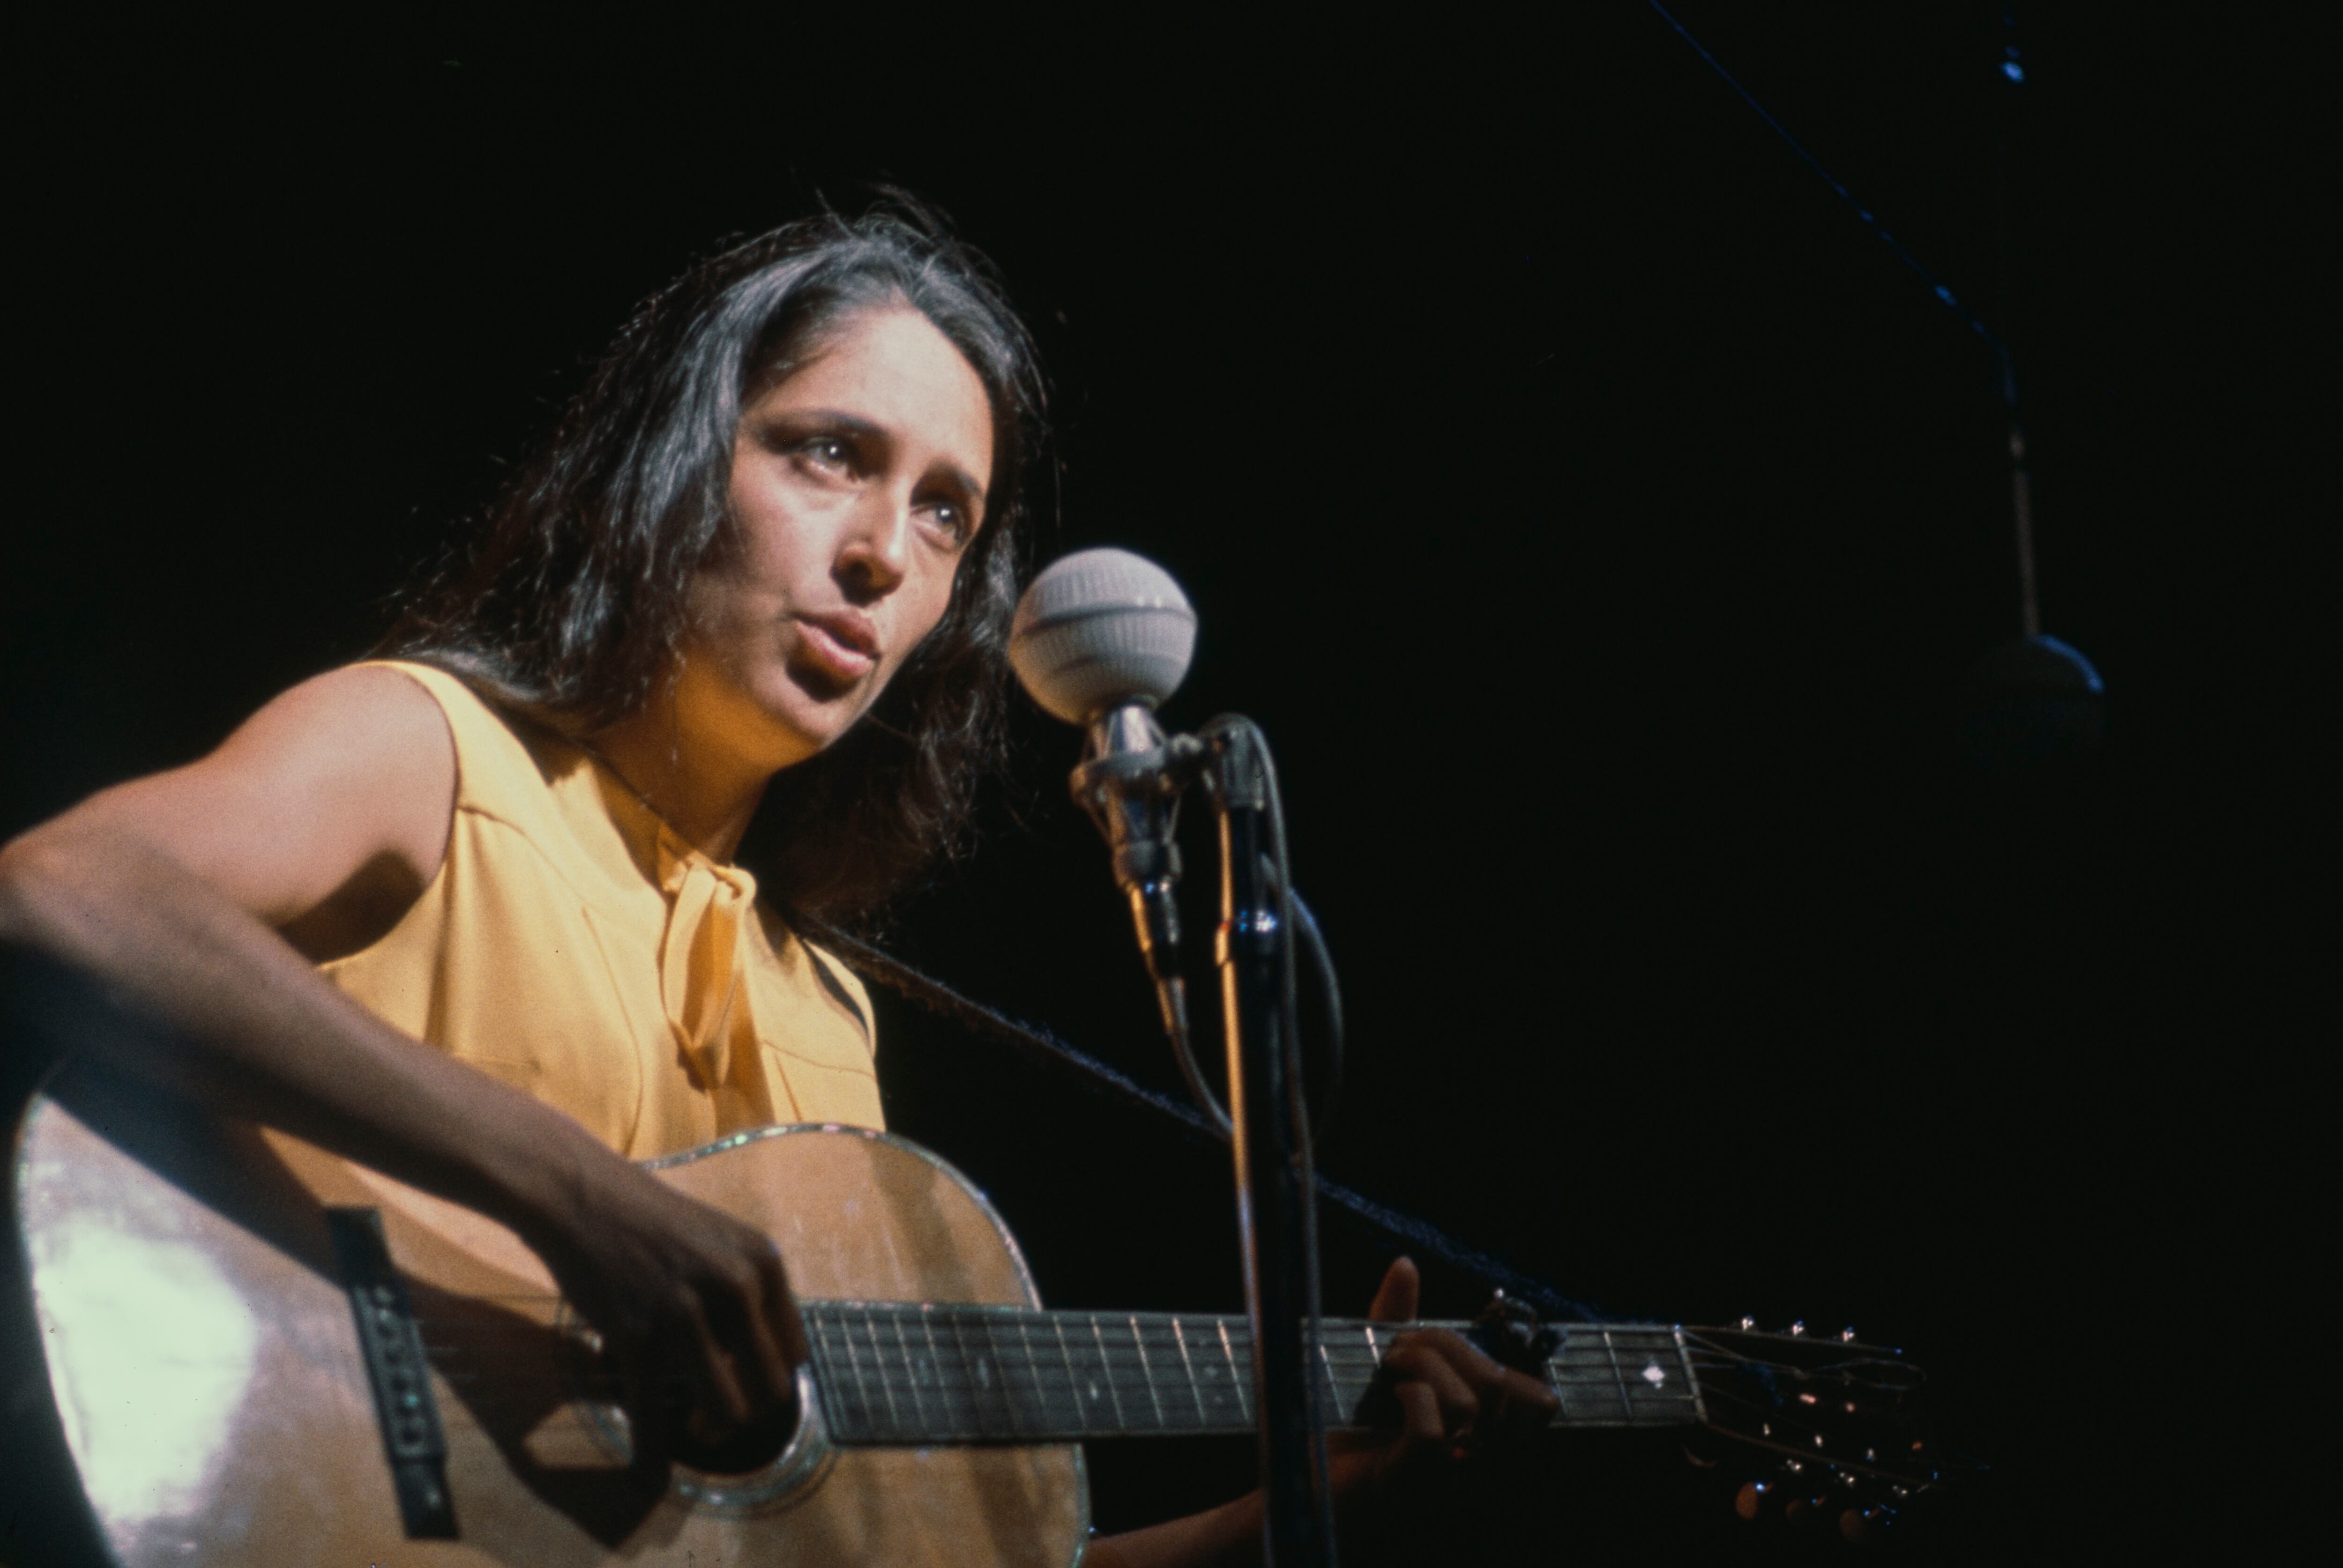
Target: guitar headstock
(1846, 1420)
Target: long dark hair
(571, 606)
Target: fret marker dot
(1652, 1375)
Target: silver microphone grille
(1100, 628)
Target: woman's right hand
(694, 1310)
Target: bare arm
(171, 890)
(167, 889)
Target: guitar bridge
(411, 1436)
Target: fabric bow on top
(703, 959)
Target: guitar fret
(826, 1356)
(910, 1370)
(1692, 1383)
(1166, 1349)
(938, 1369)
(1374, 1365)
(946, 1385)
(1618, 1376)
(1067, 1407)
(1066, 1358)
(882, 1419)
(1085, 1387)
(854, 1367)
(991, 1412)
(1147, 1372)
(1188, 1366)
(979, 1381)
(1603, 1360)
(1033, 1370)
(886, 1385)
(987, 1404)
(1350, 1371)
(1238, 1384)
(1106, 1374)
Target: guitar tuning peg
(1862, 1526)
(1799, 1327)
(1848, 1335)
(1751, 1500)
(1749, 1325)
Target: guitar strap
(838, 991)
(1110, 1083)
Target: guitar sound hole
(750, 1449)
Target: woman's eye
(827, 451)
(952, 519)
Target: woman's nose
(875, 555)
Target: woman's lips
(845, 653)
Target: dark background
(1602, 526)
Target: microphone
(1099, 639)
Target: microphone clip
(1129, 781)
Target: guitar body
(261, 1355)
(206, 1364)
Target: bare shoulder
(364, 717)
(348, 776)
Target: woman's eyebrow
(961, 480)
(871, 434)
(838, 422)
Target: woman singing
(469, 913)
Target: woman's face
(857, 484)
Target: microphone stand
(1276, 1221)
(1130, 773)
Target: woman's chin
(815, 712)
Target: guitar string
(1124, 1367)
(1066, 1416)
(1163, 1335)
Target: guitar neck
(898, 1373)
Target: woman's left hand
(1452, 1400)
(1451, 1403)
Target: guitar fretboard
(897, 1372)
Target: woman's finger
(1423, 1427)
(642, 1394)
(1471, 1364)
(1417, 1364)
(1396, 1299)
(752, 1314)
(1502, 1400)
(713, 1378)
(781, 1342)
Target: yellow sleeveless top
(575, 948)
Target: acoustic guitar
(263, 1354)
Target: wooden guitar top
(207, 1362)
